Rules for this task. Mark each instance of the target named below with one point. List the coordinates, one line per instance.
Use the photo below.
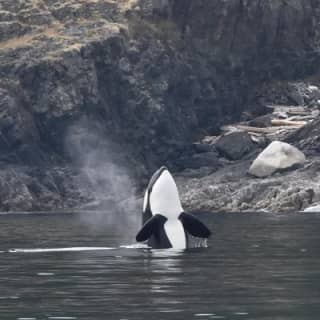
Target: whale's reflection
(165, 267)
(167, 253)
(164, 261)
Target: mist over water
(104, 173)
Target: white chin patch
(175, 234)
(164, 198)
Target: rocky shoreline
(228, 185)
(96, 95)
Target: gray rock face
(235, 145)
(151, 86)
(281, 25)
(291, 93)
(307, 138)
(277, 156)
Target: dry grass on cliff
(16, 42)
(26, 40)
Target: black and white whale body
(165, 224)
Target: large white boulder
(315, 208)
(277, 156)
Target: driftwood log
(286, 122)
(259, 130)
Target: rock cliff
(96, 94)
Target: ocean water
(87, 266)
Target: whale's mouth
(156, 176)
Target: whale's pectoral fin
(194, 226)
(150, 227)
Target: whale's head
(162, 196)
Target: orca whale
(165, 224)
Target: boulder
(315, 208)
(277, 156)
(235, 145)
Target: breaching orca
(165, 224)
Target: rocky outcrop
(232, 189)
(40, 189)
(276, 157)
(81, 76)
(307, 138)
(235, 145)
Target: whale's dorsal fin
(194, 226)
(150, 227)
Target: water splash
(136, 246)
(197, 242)
(71, 249)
